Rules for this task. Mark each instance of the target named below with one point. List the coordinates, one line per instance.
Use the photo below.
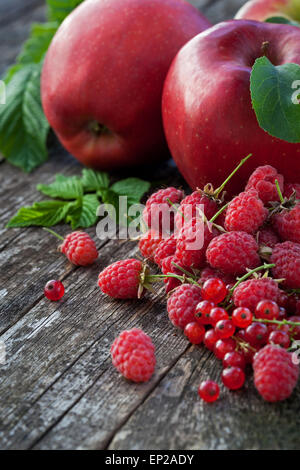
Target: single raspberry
(182, 303)
(159, 208)
(275, 374)
(287, 223)
(148, 244)
(189, 208)
(263, 180)
(164, 249)
(267, 237)
(286, 257)
(211, 273)
(54, 290)
(249, 293)
(246, 213)
(133, 355)
(192, 242)
(291, 188)
(169, 268)
(122, 279)
(79, 248)
(233, 252)
(209, 391)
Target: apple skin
(208, 118)
(260, 10)
(103, 78)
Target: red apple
(103, 77)
(260, 10)
(208, 118)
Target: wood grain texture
(58, 389)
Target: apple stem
(220, 189)
(264, 47)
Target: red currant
(279, 337)
(233, 377)
(54, 290)
(194, 332)
(242, 317)
(202, 312)
(256, 334)
(218, 314)
(225, 329)
(214, 290)
(234, 359)
(267, 309)
(210, 339)
(224, 346)
(209, 391)
(295, 330)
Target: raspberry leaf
(84, 212)
(36, 46)
(45, 214)
(275, 94)
(58, 10)
(63, 187)
(133, 188)
(282, 20)
(94, 180)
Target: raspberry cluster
(232, 275)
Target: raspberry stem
(249, 274)
(220, 189)
(214, 217)
(158, 277)
(181, 269)
(277, 322)
(279, 192)
(53, 233)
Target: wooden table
(58, 389)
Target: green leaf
(23, 126)
(36, 46)
(58, 10)
(282, 20)
(64, 187)
(45, 214)
(84, 213)
(273, 93)
(94, 180)
(133, 188)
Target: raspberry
(54, 290)
(233, 377)
(290, 188)
(209, 391)
(263, 180)
(287, 224)
(233, 252)
(210, 273)
(165, 248)
(188, 208)
(158, 208)
(169, 268)
(122, 280)
(214, 290)
(182, 303)
(249, 293)
(133, 355)
(286, 257)
(267, 237)
(194, 332)
(192, 242)
(148, 244)
(245, 213)
(79, 248)
(275, 375)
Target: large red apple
(260, 10)
(103, 77)
(208, 117)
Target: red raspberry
(263, 180)
(290, 188)
(133, 355)
(249, 293)
(54, 290)
(192, 242)
(158, 207)
(122, 280)
(182, 303)
(188, 208)
(267, 237)
(233, 378)
(148, 244)
(79, 248)
(233, 252)
(165, 248)
(169, 268)
(210, 273)
(245, 213)
(287, 224)
(275, 375)
(209, 391)
(286, 257)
